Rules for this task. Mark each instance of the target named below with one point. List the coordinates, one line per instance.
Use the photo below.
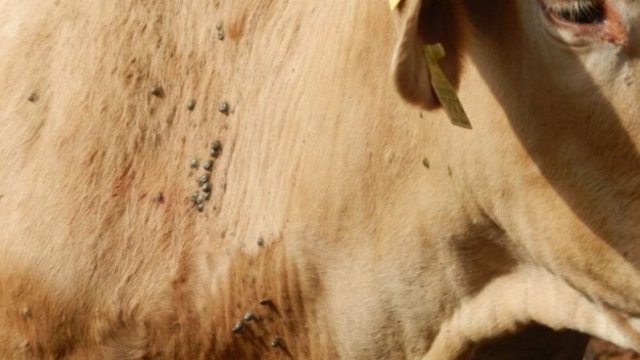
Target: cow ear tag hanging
(443, 88)
(394, 3)
(439, 82)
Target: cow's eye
(578, 11)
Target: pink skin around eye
(611, 30)
(615, 31)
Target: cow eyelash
(579, 11)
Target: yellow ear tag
(394, 4)
(443, 88)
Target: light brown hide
(531, 217)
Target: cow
(282, 179)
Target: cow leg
(535, 342)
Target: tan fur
(531, 217)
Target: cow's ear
(418, 23)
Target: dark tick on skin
(158, 197)
(249, 316)
(224, 107)
(206, 188)
(265, 301)
(191, 105)
(203, 179)
(216, 145)
(276, 342)
(200, 207)
(238, 327)
(207, 165)
(215, 148)
(426, 163)
(260, 242)
(219, 26)
(193, 163)
(33, 97)
(157, 91)
(220, 35)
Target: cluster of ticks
(204, 181)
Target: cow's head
(552, 88)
